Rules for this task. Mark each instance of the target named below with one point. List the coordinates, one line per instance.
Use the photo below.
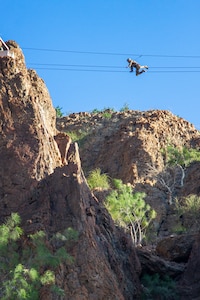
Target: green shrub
(107, 115)
(191, 206)
(180, 156)
(95, 111)
(125, 107)
(59, 113)
(98, 180)
(179, 229)
(109, 109)
(27, 266)
(106, 112)
(78, 136)
(156, 287)
(129, 210)
(189, 211)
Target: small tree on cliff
(59, 113)
(98, 180)
(172, 177)
(129, 210)
(25, 267)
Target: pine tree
(129, 210)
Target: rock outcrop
(41, 178)
(190, 287)
(129, 146)
(27, 129)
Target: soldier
(133, 64)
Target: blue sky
(88, 43)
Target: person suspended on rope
(133, 64)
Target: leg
(139, 72)
(144, 67)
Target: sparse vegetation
(129, 210)
(189, 211)
(77, 136)
(125, 108)
(172, 177)
(59, 113)
(191, 206)
(28, 262)
(179, 229)
(156, 287)
(98, 180)
(183, 156)
(106, 112)
(95, 111)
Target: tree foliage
(157, 287)
(25, 269)
(129, 210)
(176, 161)
(188, 210)
(98, 180)
(59, 113)
(180, 156)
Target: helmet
(128, 59)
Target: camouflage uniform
(133, 64)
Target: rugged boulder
(153, 264)
(189, 284)
(176, 248)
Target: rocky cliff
(28, 149)
(42, 177)
(128, 145)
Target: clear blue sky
(164, 34)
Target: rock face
(176, 248)
(41, 178)
(106, 265)
(27, 129)
(128, 146)
(191, 277)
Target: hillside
(43, 178)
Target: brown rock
(63, 141)
(128, 146)
(41, 178)
(27, 129)
(176, 248)
(125, 145)
(153, 264)
(106, 265)
(189, 284)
